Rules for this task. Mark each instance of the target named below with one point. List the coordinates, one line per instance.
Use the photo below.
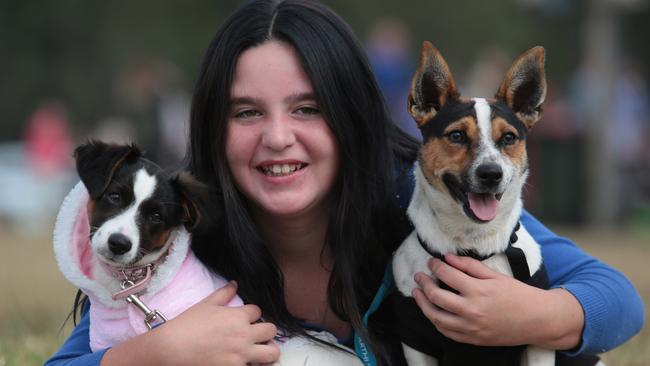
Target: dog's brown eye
(155, 218)
(508, 138)
(114, 198)
(457, 137)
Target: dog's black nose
(489, 175)
(119, 243)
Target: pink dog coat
(178, 283)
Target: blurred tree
(74, 50)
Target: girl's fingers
(442, 298)
(439, 317)
(264, 332)
(263, 353)
(474, 268)
(253, 312)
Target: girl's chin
(287, 207)
(284, 210)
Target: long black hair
(359, 231)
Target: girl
(288, 123)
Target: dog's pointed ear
(524, 87)
(432, 85)
(194, 195)
(97, 162)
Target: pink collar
(134, 279)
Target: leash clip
(152, 318)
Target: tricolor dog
(467, 200)
(122, 236)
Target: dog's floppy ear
(194, 196)
(97, 162)
(432, 85)
(524, 87)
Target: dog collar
(135, 279)
(516, 256)
(131, 285)
(468, 252)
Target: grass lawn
(36, 298)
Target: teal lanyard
(365, 355)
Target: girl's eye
(155, 218)
(114, 198)
(247, 113)
(508, 138)
(308, 110)
(457, 137)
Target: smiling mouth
(280, 170)
(481, 207)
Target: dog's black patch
(450, 113)
(500, 109)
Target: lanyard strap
(363, 352)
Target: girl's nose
(278, 134)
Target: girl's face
(281, 152)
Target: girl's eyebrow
(300, 97)
(244, 100)
(293, 98)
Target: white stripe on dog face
(125, 223)
(486, 149)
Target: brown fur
(157, 241)
(517, 151)
(440, 156)
(90, 209)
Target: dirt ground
(35, 298)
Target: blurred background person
(391, 58)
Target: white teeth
(279, 170)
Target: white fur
(488, 152)
(125, 223)
(301, 351)
(414, 357)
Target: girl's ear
(524, 87)
(432, 85)
(97, 163)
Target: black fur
(452, 111)
(97, 161)
(500, 109)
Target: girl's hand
(208, 333)
(492, 309)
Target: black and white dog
(467, 200)
(123, 237)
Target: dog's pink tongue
(484, 206)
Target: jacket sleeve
(76, 349)
(612, 307)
